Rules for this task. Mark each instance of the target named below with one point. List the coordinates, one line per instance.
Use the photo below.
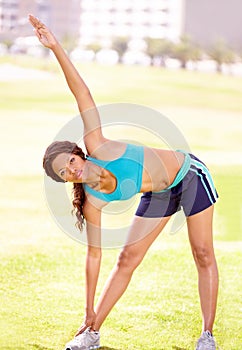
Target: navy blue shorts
(195, 193)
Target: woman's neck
(101, 179)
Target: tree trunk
(183, 64)
(219, 67)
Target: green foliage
(221, 53)
(7, 41)
(69, 42)
(95, 47)
(161, 48)
(186, 50)
(120, 44)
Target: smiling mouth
(78, 174)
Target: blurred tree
(239, 54)
(158, 49)
(8, 42)
(95, 47)
(69, 42)
(186, 51)
(221, 53)
(120, 44)
(196, 54)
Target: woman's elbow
(94, 252)
(83, 95)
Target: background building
(62, 16)
(99, 21)
(205, 21)
(209, 21)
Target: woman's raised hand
(43, 33)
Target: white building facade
(99, 21)
(102, 20)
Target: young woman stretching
(117, 171)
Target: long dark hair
(51, 153)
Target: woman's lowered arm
(93, 262)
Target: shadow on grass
(40, 347)
(107, 348)
(178, 348)
(32, 346)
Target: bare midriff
(160, 168)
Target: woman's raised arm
(92, 126)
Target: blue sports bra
(128, 171)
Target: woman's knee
(203, 256)
(129, 259)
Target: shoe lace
(207, 340)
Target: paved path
(9, 72)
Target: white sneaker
(86, 341)
(206, 342)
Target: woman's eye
(72, 160)
(62, 173)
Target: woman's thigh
(142, 233)
(200, 231)
(200, 227)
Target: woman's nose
(71, 170)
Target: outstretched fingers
(36, 23)
(37, 34)
(42, 32)
(81, 330)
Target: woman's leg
(130, 257)
(201, 239)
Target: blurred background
(203, 35)
(182, 58)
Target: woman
(117, 171)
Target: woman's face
(69, 167)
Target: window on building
(9, 3)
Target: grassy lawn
(41, 269)
(42, 285)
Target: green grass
(42, 285)
(42, 270)
(228, 221)
(154, 87)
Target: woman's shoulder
(109, 150)
(92, 204)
